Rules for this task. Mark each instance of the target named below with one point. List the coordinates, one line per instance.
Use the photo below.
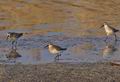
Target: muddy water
(73, 24)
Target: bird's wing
(59, 48)
(20, 34)
(114, 29)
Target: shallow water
(70, 24)
(79, 50)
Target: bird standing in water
(54, 49)
(110, 31)
(13, 37)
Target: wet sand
(58, 72)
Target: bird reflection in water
(109, 49)
(13, 54)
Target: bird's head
(48, 45)
(8, 36)
(104, 24)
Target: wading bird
(13, 37)
(110, 31)
(54, 49)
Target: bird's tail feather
(117, 30)
(64, 49)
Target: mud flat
(60, 72)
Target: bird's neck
(50, 46)
(106, 27)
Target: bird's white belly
(53, 51)
(12, 39)
(108, 31)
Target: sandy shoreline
(100, 72)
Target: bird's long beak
(102, 26)
(46, 46)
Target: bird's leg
(106, 38)
(13, 44)
(57, 57)
(59, 54)
(115, 37)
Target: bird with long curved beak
(110, 30)
(13, 37)
(54, 49)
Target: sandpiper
(13, 37)
(110, 30)
(54, 49)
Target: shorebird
(54, 49)
(110, 30)
(13, 37)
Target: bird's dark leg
(106, 38)
(13, 44)
(115, 37)
(60, 54)
(57, 57)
